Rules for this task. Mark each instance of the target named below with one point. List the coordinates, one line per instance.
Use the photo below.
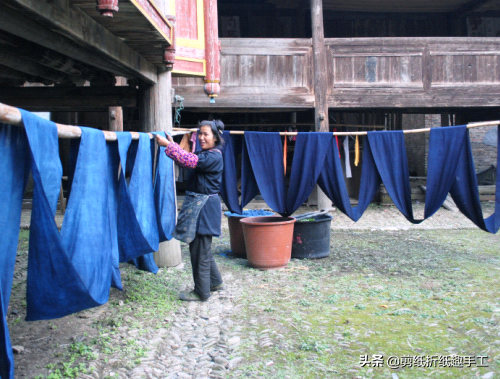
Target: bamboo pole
(411, 131)
(191, 126)
(12, 115)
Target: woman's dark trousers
(205, 271)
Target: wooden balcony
(257, 73)
(364, 73)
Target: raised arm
(174, 151)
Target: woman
(200, 217)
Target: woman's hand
(162, 141)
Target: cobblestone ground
(198, 340)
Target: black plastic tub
(311, 237)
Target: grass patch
(404, 294)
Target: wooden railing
(413, 72)
(257, 73)
(362, 73)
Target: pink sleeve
(182, 157)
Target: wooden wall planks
(362, 73)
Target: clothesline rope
(411, 131)
(11, 115)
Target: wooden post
(320, 81)
(116, 119)
(212, 49)
(157, 116)
(169, 253)
(116, 113)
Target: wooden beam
(85, 40)
(77, 71)
(18, 24)
(265, 46)
(469, 7)
(438, 98)
(10, 74)
(245, 97)
(68, 98)
(14, 62)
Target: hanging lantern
(107, 7)
(212, 89)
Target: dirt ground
(306, 321)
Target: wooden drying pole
(411, 131)
(12, 115)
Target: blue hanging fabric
(332, 183)
(113, 161)
(68, 271)
(164, 193)
(137, 222)
(445, 148)
(308, 161)
(452, 169)
(492, 223)
(266, 157)
(249, 187)
(389, 153)
(113, 175)
(14, 169)
(229, 184)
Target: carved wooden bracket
(107, 7)
(169, 52)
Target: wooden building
(325, 64)
(414, 54)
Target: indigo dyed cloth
(332, 183)
(137, 223)
(265, 154)
(389, 153)
(250, 213)
(249, 187)
(14, 169)
(229, 183)
(451, 169)
(206, 179)
(308, 161)
(71, 270)
(164, 201)
(266, 158)
(187, 222)
(445, 147)
(113, 170)
(384, 161)
(164, 193)
(234, 147)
